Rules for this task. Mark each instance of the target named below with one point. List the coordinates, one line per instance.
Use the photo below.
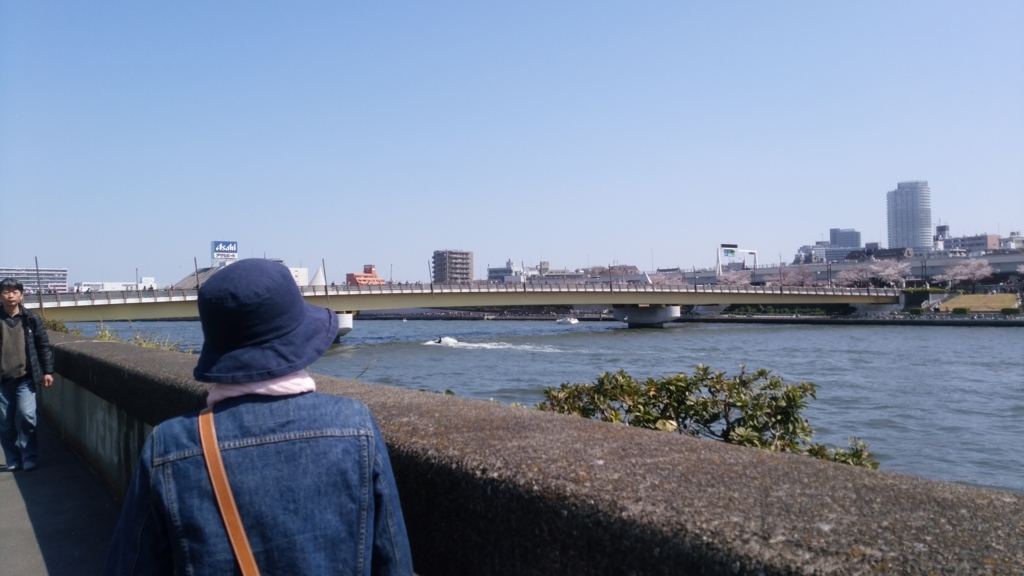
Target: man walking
(26, 361)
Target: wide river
(940, 402)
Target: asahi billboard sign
(224, 250)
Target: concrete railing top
(492, 489)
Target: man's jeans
(18, 421)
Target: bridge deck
(164, 304)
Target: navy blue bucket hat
(256, 326)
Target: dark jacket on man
(37, 345)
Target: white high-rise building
(910, 216)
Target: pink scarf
(294, 383)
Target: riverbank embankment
(999, 320)
(894, 320)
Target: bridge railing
(180, 295)
(591, 287)
(55, 300)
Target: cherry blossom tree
(735, 278)
(859, 275)
(804, 276)
(781, 277)
(970, 270)
(800, 275)
(891, 272)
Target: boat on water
(568, 320)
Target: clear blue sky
(132, 134)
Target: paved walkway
(57, 519)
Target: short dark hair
(11, 284)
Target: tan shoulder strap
(225, 499)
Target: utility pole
(39, 287)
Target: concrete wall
(492, 489)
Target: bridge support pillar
(344, 324)
(879, 309)
(645, 316)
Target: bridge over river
(636, 304)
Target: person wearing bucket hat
(309, 472)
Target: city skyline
(572, 134)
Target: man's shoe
(13, 467)
(28, 466)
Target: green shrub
(757, 410)
(1010, 311)
(52, 325)
(916, 311)
(960, 310)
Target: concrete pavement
(56, 520)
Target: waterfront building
(1012, 242)
(841, 242)
(47, 280)
(301, 276)
(844, 238)
(144, 283)
(367, 278)
(196, 279)
(565, 275)
(909, 214)
(979, 243)
(453, 266)
(502, 274)
(510, 273)
(881, 254)
(808, 254)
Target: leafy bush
(960, 310)
(757, 410)
(930, 290)
(1010, 311)
(55, 326)
(916, 311)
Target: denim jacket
(311, 478)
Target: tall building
(910, 216)
(453, 266)
(844, 238)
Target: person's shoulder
(338, 404)
(33, 317)
(176, 433)
(334, 400)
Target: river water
(941, 402)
